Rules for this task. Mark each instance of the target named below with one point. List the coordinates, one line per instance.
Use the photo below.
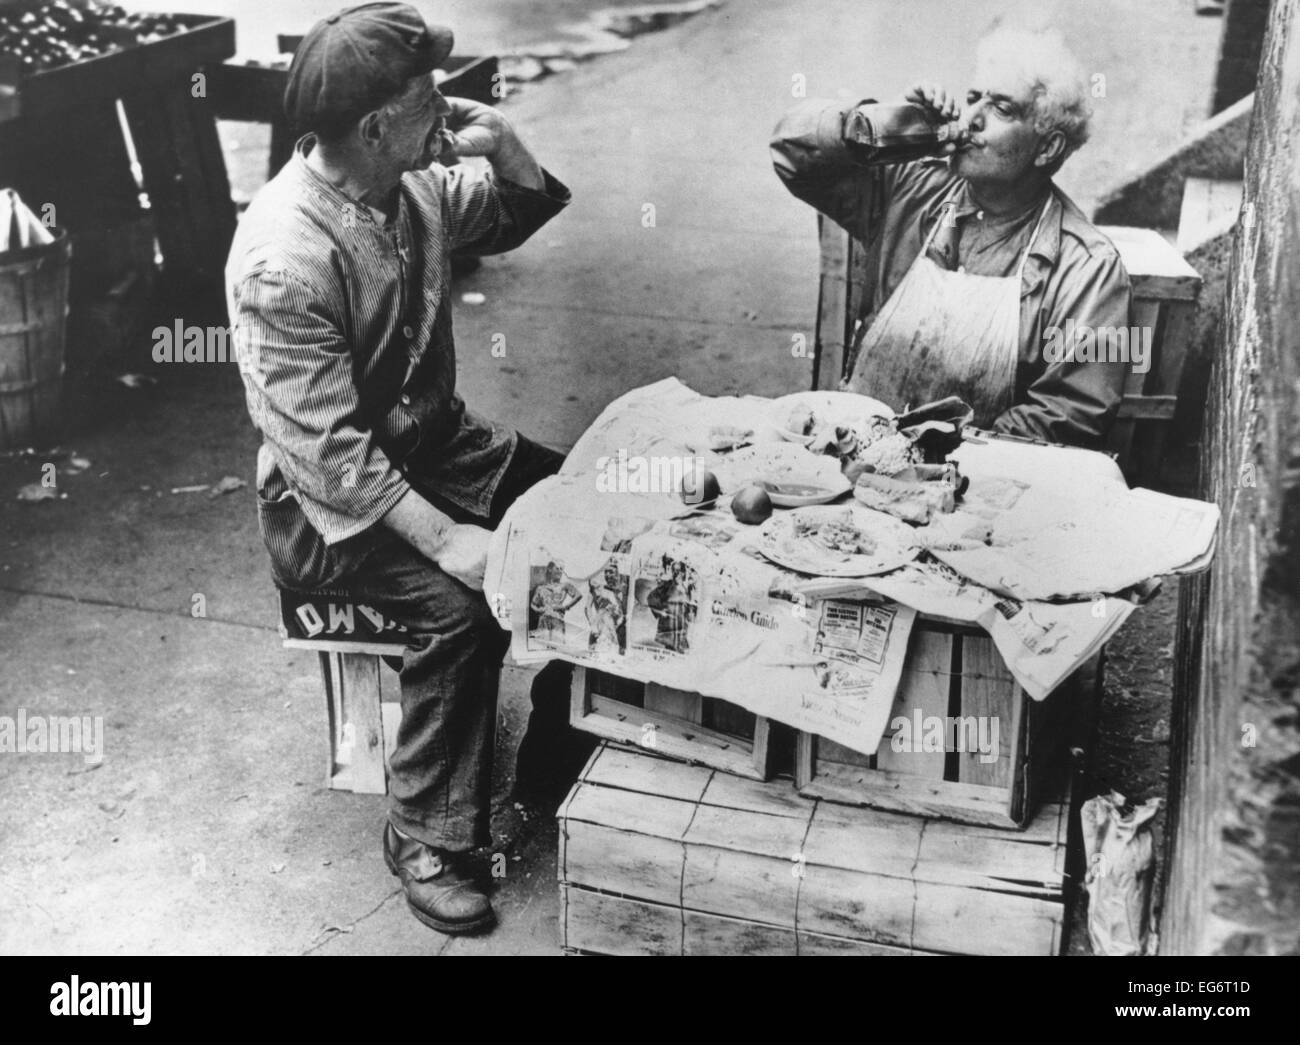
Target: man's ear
(371, 128)
(1051, 150)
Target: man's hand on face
(473, 129)
(479, 130)
(463, 554)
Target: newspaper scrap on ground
(604, 564)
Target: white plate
(798, 492)
(794, 437)
(895, 543)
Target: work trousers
(440, 773)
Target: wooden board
(925, 685)
(833, 305)
(357, 753)
(1211, 207)
(965, 681)
(1155, 267)
(654, 859)
(176, 139)
(49, 94)
(988, 693)
(668, 722)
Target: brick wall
(1233, 861)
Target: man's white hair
(1056, 82)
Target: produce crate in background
(125, 64)
(63, 148)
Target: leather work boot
(439, 893)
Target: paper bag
(1121, 862)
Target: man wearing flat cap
(375, 480)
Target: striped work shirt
(343, 328)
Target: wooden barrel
(33, 323)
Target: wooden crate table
(953, 673)
(672, 722)
(657, 857)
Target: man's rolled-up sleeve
(1075, 401)
(488, 214)
(298, 378)
(819, 165)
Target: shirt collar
(326, 189)
(1047, 244)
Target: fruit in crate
(58, 33)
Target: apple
(699, 486)
(751, 505)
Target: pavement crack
(109, 603)
(329, 932)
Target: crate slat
(925, 686)
(667, 722)
(710, 875)
(990, 693)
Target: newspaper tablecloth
(603, 565)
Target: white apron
(943, 333)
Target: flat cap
(353, 62)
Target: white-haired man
(974, 257)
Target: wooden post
(357, 761)
(175, 136)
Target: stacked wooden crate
(955, 675)
(912, 852)
(658, 857)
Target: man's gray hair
(1055, 79)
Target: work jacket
(343, 327)
(1073, 279)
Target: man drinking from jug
(975, 260)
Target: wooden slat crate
(1165, 290)
(657, 857)
(46, 95)
(672, 722)
(953, 673)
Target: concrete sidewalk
(206, 828)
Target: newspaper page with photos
(689, 603)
